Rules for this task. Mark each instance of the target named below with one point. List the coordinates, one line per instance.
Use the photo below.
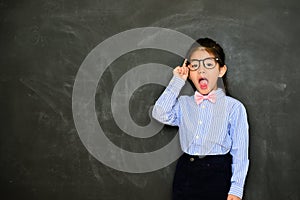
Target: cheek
(192, 76)
(215, 74)
(213, 77)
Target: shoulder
(233, 101)
(234, 104)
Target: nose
(201, 69)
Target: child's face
(205, 80)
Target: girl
(213, 128)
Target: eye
(209, 63)
(195, 66)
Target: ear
(222, 71)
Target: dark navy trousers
(206, 178)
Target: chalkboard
(46, 44)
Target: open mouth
(203, 82)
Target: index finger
(184, 64)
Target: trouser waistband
(211, 158)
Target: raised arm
(166, 109)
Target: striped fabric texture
(208, 128)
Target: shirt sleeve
(239, 151)
(166, 109)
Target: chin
(203, 91)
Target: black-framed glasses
(208, 63)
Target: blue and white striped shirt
(208, 128)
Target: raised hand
(183, 71)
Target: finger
(179, 70)
(184, 63)
(186, 70)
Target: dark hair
(213, 48)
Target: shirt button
(192, 159)
(200, 122)
(197, 136)
(203, 106)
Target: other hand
(232, 197)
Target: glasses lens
(194, 65)
(209, 63)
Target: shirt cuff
(236, 190)
(176, 84)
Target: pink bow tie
(199, 97)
